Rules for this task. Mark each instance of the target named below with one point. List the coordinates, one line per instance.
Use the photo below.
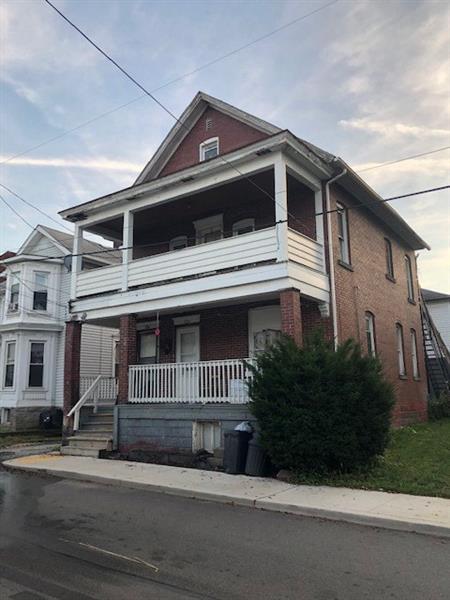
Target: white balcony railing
(105, 390)
(204, 381)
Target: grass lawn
(23, 438)
(417, 461)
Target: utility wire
(411, 157)
(172, 81)
(35, 207)
(163, 242)
(15, 212)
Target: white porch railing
(204, 381)
(92, 391)
(107, 388)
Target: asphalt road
(75, 541)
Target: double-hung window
(14, 291)
(10, 359)
(370, 333)
(400, 350)
(409, 278)
(243, 226)
(344, 244)
(389, 258)
(209, 149)
(36, 373)
(40, 294)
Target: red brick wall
(291, 316)
(127, 353)
(72, 348)
(366, 288)
(232, 135)
(301, 208)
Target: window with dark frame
(370, 333)
(400, 350)
(409, 278)
(40, 294)
(344, 246)
(389, 258)
(10, 360)
(36, 376)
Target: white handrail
(75, 411)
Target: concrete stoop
(95, 435)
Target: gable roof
(64, 242)
(432, 296)
(184, 125)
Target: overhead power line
(15, 212)
(410, 157)
(35, 207)
(172, 81)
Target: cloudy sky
(368, 81)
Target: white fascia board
(30, 326)
(221, 287)
(304, 175)
(31, 258)
(204, 175)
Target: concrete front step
(70, 451)
(101, 429)
(90, 443)
(102, 422)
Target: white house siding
(97, 350)
(440, 313)
(44, 247)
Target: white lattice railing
(204, 381)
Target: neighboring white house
(34, 302)
(438, 305)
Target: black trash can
(235, 451)
(51, 419)
(258, 462)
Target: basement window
(206, 435)
(209, 149)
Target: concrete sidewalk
(420, 514)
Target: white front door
(187, 351)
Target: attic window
(208, 123)
(209, 149)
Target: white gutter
(331, 257)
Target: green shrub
(439, 408)
(321, 410)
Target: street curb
(260, 503)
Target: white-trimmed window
(178, 243)
(400, 350)
(147, 347)
(389, 258)
(370, 333)
(414, 357)
(5, 416)
(209, 148)
(409, 278)
(10, 362)
(209, 229)
(14, 291)
(40, 294)
(243, 226)
(36, 371)
(344, 245)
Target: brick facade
(127, 353)
(291, 315)
(233, 134)
(72, 350)
(365, 287)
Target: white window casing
(414, 356)
(409, 278)
(209, 149)
(36, 365)
(40, 292)
(10, 365)
(243, 226)
(343, 237)
(370, 333)
(400, 350)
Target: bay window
(10, 360)
(36, 372)
(40, 291)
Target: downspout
(331, 257)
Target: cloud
(392, 129)
(97, 164)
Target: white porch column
(320, 220)
(76, 260)
(127, 253)
(281, 213)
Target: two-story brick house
(234, 232)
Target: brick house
(235, 231)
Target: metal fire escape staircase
(437, 356)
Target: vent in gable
(208, 123)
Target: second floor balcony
(217, 237)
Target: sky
(368, 81)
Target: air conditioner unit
(13, 307)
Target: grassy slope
(416, 462)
